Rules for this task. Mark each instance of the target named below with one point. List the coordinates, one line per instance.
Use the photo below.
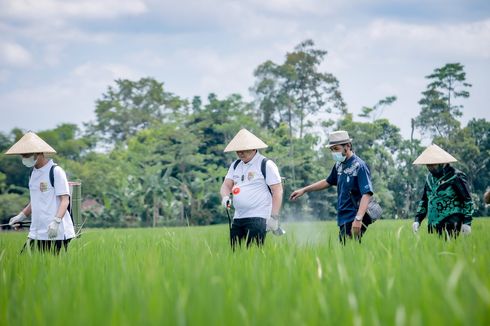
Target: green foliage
(407, 182)
(306, 166)
(16, 174)
(216, 124)
(5, 142)
(132, 106)
(65, 141)
(295, 91)
(439, 114)
(11, 204)
(3, 185)
(376, 111)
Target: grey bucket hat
(338, 137)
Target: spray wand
(17, 224)
(228, 207)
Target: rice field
(189, 276)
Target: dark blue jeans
(250, 229)
(345, 230)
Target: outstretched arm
(319, 185)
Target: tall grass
(189, 276)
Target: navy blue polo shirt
(353, 180)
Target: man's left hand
(272, 224)
(356, 227)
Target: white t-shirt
(45, 202)
(251, 196)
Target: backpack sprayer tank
(76, 205)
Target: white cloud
(69, 99)
(190, 72)
(52, 31)
(12, 53)
(4, 76)
(468, 39)
(42, 10)
(49, 41)
(52, 54)
(103, 73)
(297, 7)
(45, 106)
(387, 43)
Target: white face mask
(29, 161)
(338, 157)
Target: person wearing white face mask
(51, 225)
(29, 160)
(354, 188)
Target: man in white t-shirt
(255, 185)
(51, 224)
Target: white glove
(415, 227)
(17, 218)
(226, 202)
(53, 228)
(466, 229)
(272, 224)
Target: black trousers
(250, 229)
(345, 230)
(53, 246)
(448, 227)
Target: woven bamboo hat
(434, 155)
(30, 143)
(244, 140)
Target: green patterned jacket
(447, 196)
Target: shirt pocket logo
(43, 186)
(250, 176)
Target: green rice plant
(189, 276)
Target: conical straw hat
(30, 143)
(244, 140)
(434, 155)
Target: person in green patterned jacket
(446, 200)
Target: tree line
(153, 158)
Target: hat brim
(30, 143)
(242, 148)
(434, 155)
(340, 142)
(244, 140)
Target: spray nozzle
(229, 201)
(279, 231)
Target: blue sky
(58, 57)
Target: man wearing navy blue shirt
(354, 188)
